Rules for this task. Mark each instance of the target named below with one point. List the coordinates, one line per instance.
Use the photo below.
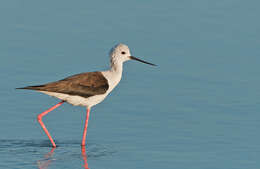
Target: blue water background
(198, 109)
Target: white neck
(113, 75)
(116, 67)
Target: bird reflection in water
(84, 157)
(43, 164)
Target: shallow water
(198, 109)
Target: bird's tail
(31, 87)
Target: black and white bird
(86, 89)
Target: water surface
(198, 109)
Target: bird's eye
(123, 53)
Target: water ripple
(18, 153)
(20, 146)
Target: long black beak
(134, 58)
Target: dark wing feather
(84, 84)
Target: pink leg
(39, 118)
(83, 143)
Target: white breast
(78, 100)
(113, 79)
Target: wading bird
(86, 89)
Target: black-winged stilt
(86, 89)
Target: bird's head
(121, 53)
